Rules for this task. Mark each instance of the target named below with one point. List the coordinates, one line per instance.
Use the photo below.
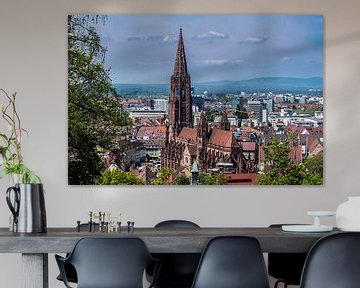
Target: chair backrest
(178, 269)
(333, 262)
(232, 262)
(176, 224)
(286, 266)
(110, 262)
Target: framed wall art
(195, 100)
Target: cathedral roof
(188, 133)
(192, 150)
(222, 138)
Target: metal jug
(28, 207)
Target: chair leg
(277, 283)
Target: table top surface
(158, 240)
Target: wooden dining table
(35, 247)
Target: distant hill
(264, 84)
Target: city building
(255, 108)
(161, 104)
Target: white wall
(33, 62)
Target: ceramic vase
(348, 214)
(27, 204)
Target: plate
(321, 213)
(350, 229)
(306, 228)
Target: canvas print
(195, 100)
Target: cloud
(153, 38)
(223, 62)
(254, 40)
(152, 64)
(211, 35)
(169, 39)
(135, 39)
(286, 59)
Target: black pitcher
(28, 208)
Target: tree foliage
(315, 164)
(95, 115)
(211, 114)
(216, 179)
(118, 177)
(241, 114)
(182, 180)
(163, 177)
(281, 170)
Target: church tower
(180, 103)
(225, 124)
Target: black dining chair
(70, 271)
(178, 269)
(333, 262)
(108, 263)
(285, 267)
(232, 262)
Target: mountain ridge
(253, 85)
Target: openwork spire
(180, 68)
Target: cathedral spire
(180, 67)
(180, 101)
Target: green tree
(241, 114)
(118, 177)
(182, 180)
(211, 114)
(281, 170)
(315, 164)
(95, 115)
(215, 179)
(163, 177)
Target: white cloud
(285, 59)
(211, 35)
(169, 39)
(254, 40)
(223, 62)
(216, 62)
(238, 61)
(153, 38)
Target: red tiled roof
(248, 146)
(246, 129)
(242, 179)
(222, 138)
(295, 129)
(315, 130)
(151, 131)
(145, 131)
(192, 150)
(187, 133)
(161, 129)
(296, 154)
(315, 147)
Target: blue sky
(141, 49)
